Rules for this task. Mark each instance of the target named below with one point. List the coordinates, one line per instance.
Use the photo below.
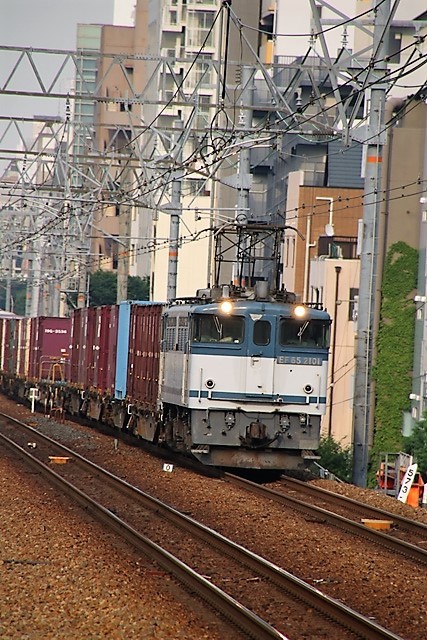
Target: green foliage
(138, 288)
(395, 344)
(416, 445)
(335, 458)
(19, 294)
(103, 288)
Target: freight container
(2, 333)
(77, 342)
(144, 354)
(82, 347)
(10, 344)
(110, 376)
(24, 333)
(122, 355)
(104, 349)
(49, 357)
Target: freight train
(237, 381)
(235, 377)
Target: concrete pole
(8, 299)
(244, 178)
(363, 397)
(82, 282)
(175, 215)
(123, 255)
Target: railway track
(414, 551)
(141, 508)
(403, 528)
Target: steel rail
(239, 615)
(313, 490)
(300, 590)
(377, 537)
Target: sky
(46, 24)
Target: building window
(352, 304)
(394, 46)
(199, 24)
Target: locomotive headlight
(300, 311)
(284, 422)
(230, 419)
(226, 306)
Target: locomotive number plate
(304, 360)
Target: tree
(138, 288)
(416, 445)
(103, 288)
(335, 458)
(19, 294)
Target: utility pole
(244, 178)
(175, 214)
(124, 233)
(375, 137)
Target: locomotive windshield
(304, 333)
(217, 328)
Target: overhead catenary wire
(166, 174)
(309, 119)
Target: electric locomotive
(243, 378)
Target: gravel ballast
(63, 576)
(361, 576)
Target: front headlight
(226, 306)
(300, 311)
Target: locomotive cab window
(262, 332)
(215, 328)
(304, 333)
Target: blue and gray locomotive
(243, 378)
(244, 367)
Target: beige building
(336, 284)
(325, 219)
(171, 49)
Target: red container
(49, 348)
(144, 354)
(10, 345)
(76, 344)
(2, 333)
(105, 348)
(83, 327)
(111, 350)
(24, 333)
(94, 347)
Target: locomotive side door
(260, 356)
